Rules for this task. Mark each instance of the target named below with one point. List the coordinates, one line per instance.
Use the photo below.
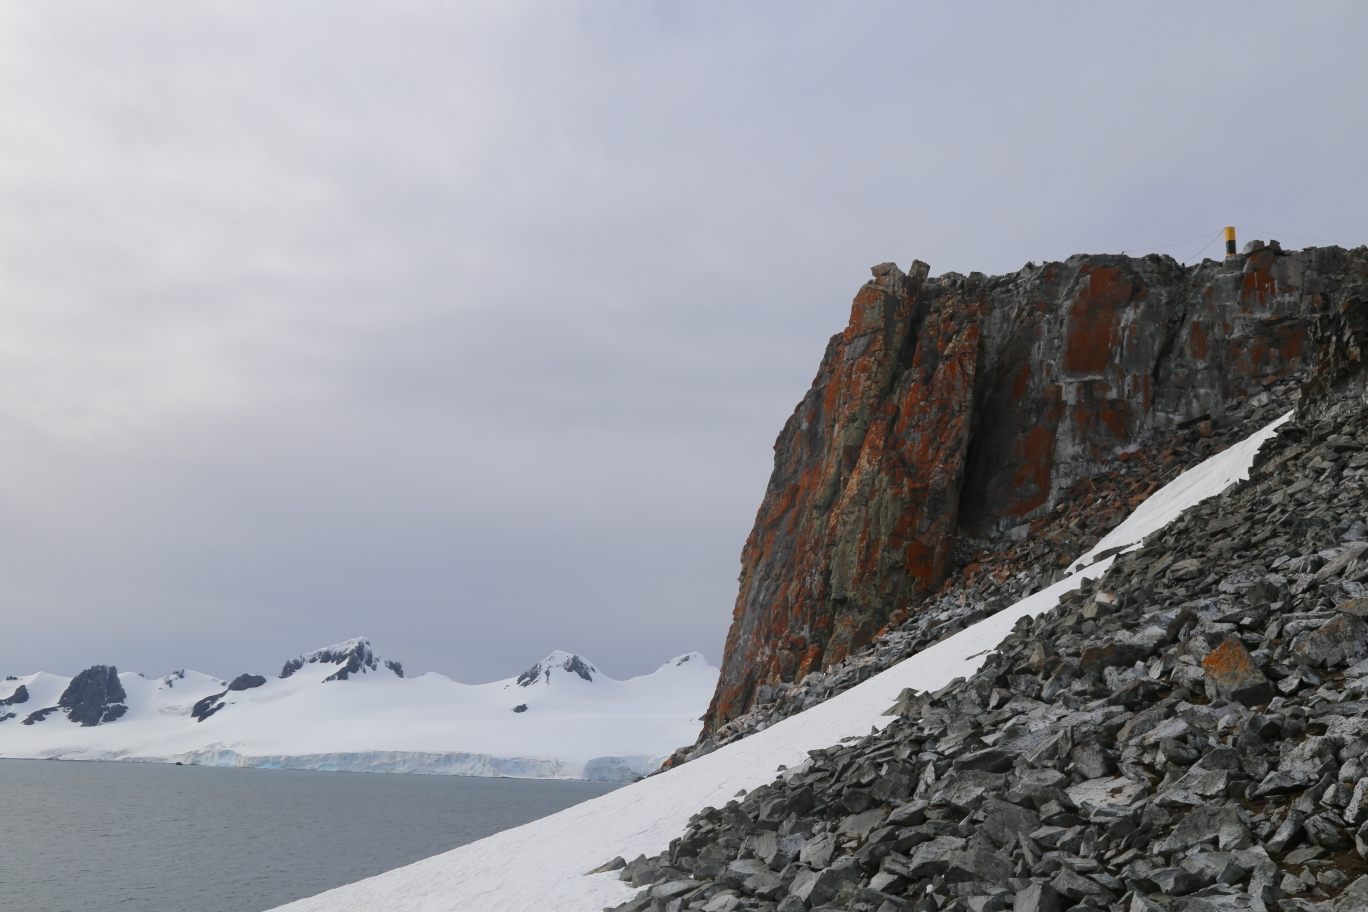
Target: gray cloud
(469, 328)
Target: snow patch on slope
(1184, 492)
(493, 874)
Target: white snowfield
(541, 865)
(578, 723)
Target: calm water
(156, 838)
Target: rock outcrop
(211, 704)
(248, 681)
(557, 661)
(354, 657)
(94, 696)
(953, 412)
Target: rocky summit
(954, 413)
(1188, 732)
(94, 696)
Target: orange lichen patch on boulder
(1231, 668)
(1229, 659)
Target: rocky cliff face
(1186, 732)
(952, 412)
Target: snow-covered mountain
(344, 708)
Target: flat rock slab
(1114, 793)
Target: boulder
(1232, 670)
(1037, 897)
(1220, 826)
(1340, 642)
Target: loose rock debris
(995, 575)
(1187, 733)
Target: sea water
(144, 837)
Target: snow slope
(1192, 487)
(341, 708)
(540, 865)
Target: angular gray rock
(1036, 897)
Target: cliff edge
(953, 411)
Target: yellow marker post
(1230, 241)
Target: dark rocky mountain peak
(565, 661)
(94, 696)
(20, 695)
(354, 656)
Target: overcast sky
(469, 328)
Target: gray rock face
(206, 707)
(94, 696)
(1354, 898)
(1221, 826)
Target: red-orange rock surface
(957, 408)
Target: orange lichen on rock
(964, 405)
(1094, 317)
(1232, 670)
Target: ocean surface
(144, 837)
